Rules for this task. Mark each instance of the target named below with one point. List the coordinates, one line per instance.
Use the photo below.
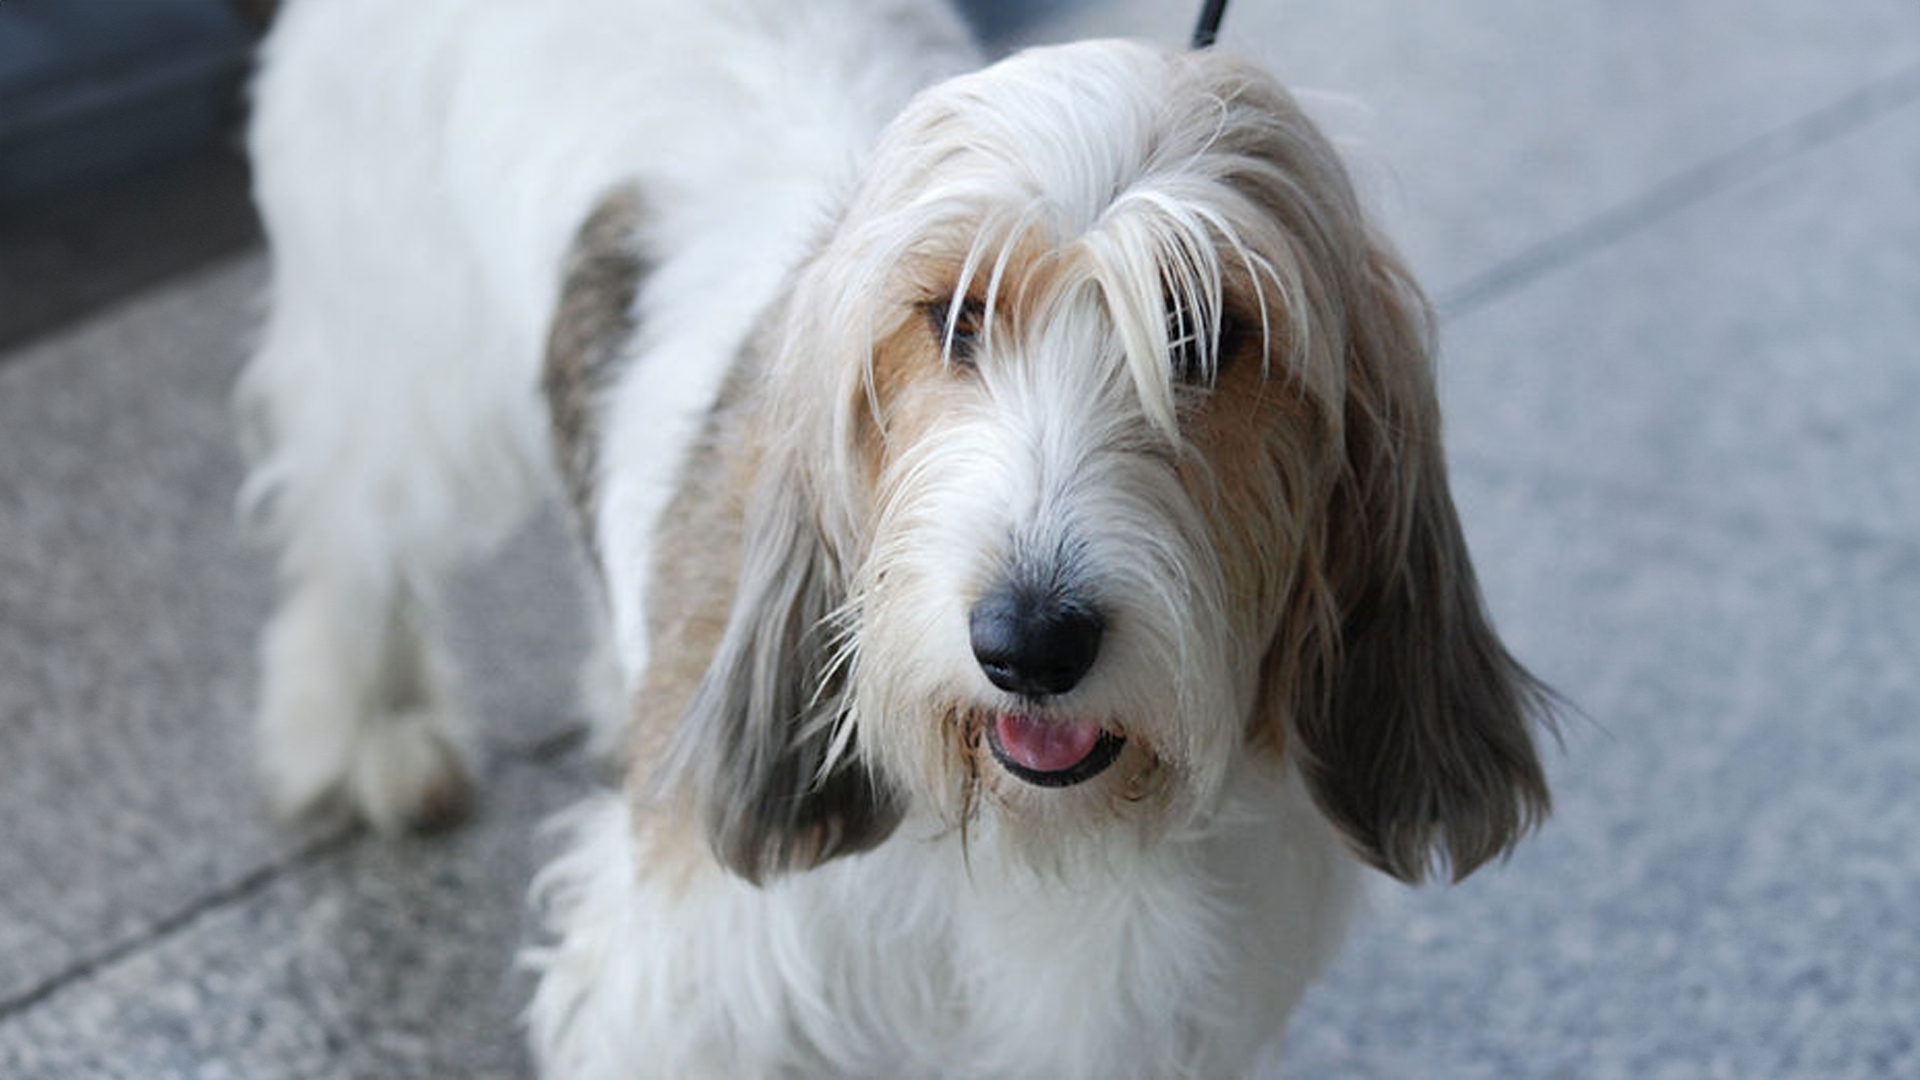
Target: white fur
(421, 168)
(920, 960)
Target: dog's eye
(1186, 349)
(968, 324)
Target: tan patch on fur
(913, 393)
(696, 560)
(915, 385)
(1257, 461)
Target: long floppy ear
(1416, 734)
(752, 745)
(762, 753)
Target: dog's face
(1106, 452)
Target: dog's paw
(409, 772)
(400, 771)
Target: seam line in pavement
(239, 889)
(1694, 185)
(541, 752)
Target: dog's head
(1103, 450)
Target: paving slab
(125, 601)
(128, 604)
(1484, 127)
(1725, 888)
(374, 958)
(1756, 353)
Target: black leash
(1208, 27)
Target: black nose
(1033, 642)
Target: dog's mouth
(1051, 751)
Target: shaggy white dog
(1017, 498)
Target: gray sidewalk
(1678, 251)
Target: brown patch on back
(588, 342)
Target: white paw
(358, 726)
(396, 771)
(409, 771)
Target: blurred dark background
(119, 150)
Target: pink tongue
(1044, 747)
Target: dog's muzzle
(1040, 644)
